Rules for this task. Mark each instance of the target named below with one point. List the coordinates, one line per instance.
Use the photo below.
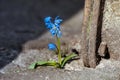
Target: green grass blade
(68, 58)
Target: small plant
(54, 29)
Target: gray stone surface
(44, 73)
(18, 69)
(111, 28)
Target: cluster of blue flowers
(54, 28)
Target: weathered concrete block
(111, 28)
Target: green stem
(59, 50)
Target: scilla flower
(54, 28)
(57, 22)
(52, 46)
(48, 22)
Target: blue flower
(48, 22)
(55, 31)
(57, 21)
(54, 28)
(52, 46)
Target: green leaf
(32, 66)
(67, 59)
(47, 63)
(43, 63)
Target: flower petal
(47, 19)
(49, 25)
(57, 21)
(53, 32)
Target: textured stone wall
(111, 27)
